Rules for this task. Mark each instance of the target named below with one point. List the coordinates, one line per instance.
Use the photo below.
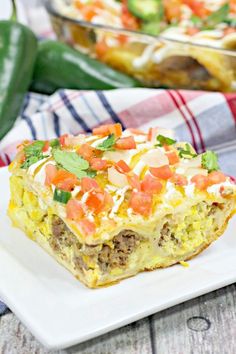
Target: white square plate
(61, 312)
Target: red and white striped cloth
(205, 119)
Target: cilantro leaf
(33, 153)
(164, 140)
(61, 196)
(210, 161)
(91, 173)
(54, 143)
(218, 16)
(107, 144)
(186, 152)
(71, 162)
(34, 148)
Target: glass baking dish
(156, 61)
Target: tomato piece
(115, 129)
(89, 184)
(141, 203)
(108, 201)
(87, 151)
(65, 180)
(200, 181)
(152, 133)
(46, 146)
(151, 185)
(101, 49)
(163, 172)
(108, 129)
(134, 181)
(95, 201)
(62, 140)
(122, 167)
(179, 180)
(216, 177)
(126, 143)
(128, 20)
(50, 171)
(172, 157)
(191, 31)
(197, 7)
(98, 164)
(87, 227)
(173, 9)
(74, 210)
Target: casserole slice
(112, 204)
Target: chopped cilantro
(210, 161)
(71, 162)
(107, 144)
(54, 143)
(186, 152)
(61, 196)
(33, 153)
(91, 173)
(218, 16)
(164, 140)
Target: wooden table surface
(205, 325)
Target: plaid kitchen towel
(206, 119)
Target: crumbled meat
(124, 244)
(61, 235)
(179, 62)
(79, 263)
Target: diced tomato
(191, 31)
(99, 201)
(74, 210)
(88, 12)
(200, 181)
(65, 180)
(141, 203)
(128, 20)
(232, 4)
(163, 172)
(98, 164)
(122, 167)
(179, 180)
(122, 38)
(89, 184)
(151, 185)
(87, 227)
(87, 151)
(136, 131)
(172, 157)
(108, 129)
(198, 8)
(95, 201)
(50, 171)
(62, 140)
(46, 146)
(172, 9)
(116, 129)
(134, 181)
(216, 177)
(126, 143)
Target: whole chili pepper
(60, 66)
(18, 48)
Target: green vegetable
(210, 161)
(218, 16)
(71, 162)
(186, 152)
(33, 153)
(146, 10)
(61, 196)
(18, 47)
(152, 28)
(60, 66)
(164, 140)
(54, 143)
(107, 144)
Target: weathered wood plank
(132, 339)
(205, 325)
